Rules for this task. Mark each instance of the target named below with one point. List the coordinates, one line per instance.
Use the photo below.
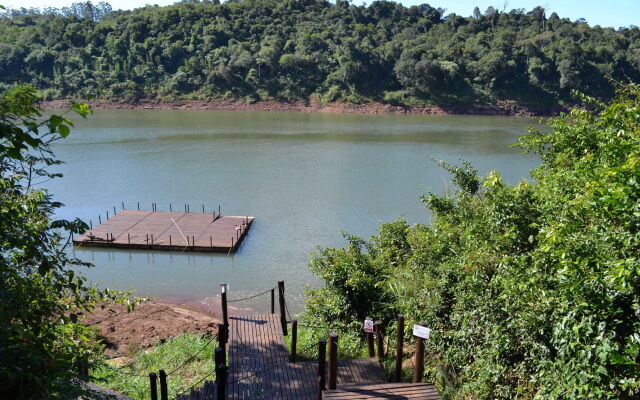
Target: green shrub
(532, 290)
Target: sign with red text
(368, 325)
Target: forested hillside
(297, 49)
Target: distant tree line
(297, 49)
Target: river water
(305, 177)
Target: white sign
(368, 325)
(421, 331)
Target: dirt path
(126, 332)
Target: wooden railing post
(221, 373)
(399, 347)
(223, 296)
(222, 341)
(322, 366)
(164, 393)
(221, 382)
(273, 301)
(294, 340)
(419, 372)
(333, 360)
(370, 341)
(283, 316)
(153, 383)
(379, 339)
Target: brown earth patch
(126, 332)
(504, 108)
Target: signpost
(368, 325)
(421, 331)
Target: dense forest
(300, 49)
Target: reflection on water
(305, 177)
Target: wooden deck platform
(390, 391)
(163, 230)
(259, 369)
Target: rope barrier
(196, 384)
(192, 357)
(251, 297)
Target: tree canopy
(532, 290)
(297, 49)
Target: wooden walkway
(259, 369)
(163, 230)
(391, 391)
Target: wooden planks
(391, 391)
(162, 230)
(259, 369)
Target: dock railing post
(399, 347)
(333, 360)
(419, 362)
(283, 317)
(221, 375)
(163, 386)
(273, 301)
(322, 366)
(294, 340)
(379, 339)
(223, 295)
(370, 349)
(153, 383)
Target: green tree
(41, 290)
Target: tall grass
(132, 379)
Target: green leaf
(64, 131)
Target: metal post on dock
(223, 335)
(152, 239)
(90, 224)
(153, 383)
(333, 360)
(107, 215)
(223, 295)
(221, 375)
(370, 349)
(99, 219)
(170, 208)
(211, 241)
(294, 340)
(138, 206)
(128, 238)
(169, 240)
(164, 394)
(231, 242)
(379, 339)
(193, 241)
(147, 238)
(273, 301)
(399, 346)
(188, 208)
(419, 362)
(283, 317)
(123, 205)
(203, 208)
(218, 210)
(322, 366)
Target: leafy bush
(41, 292)
(532, 290)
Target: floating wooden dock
(167, 230)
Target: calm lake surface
(305, 177)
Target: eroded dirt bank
(126, 332)
(505, 108)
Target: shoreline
(506, 108)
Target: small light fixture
(224, 287)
